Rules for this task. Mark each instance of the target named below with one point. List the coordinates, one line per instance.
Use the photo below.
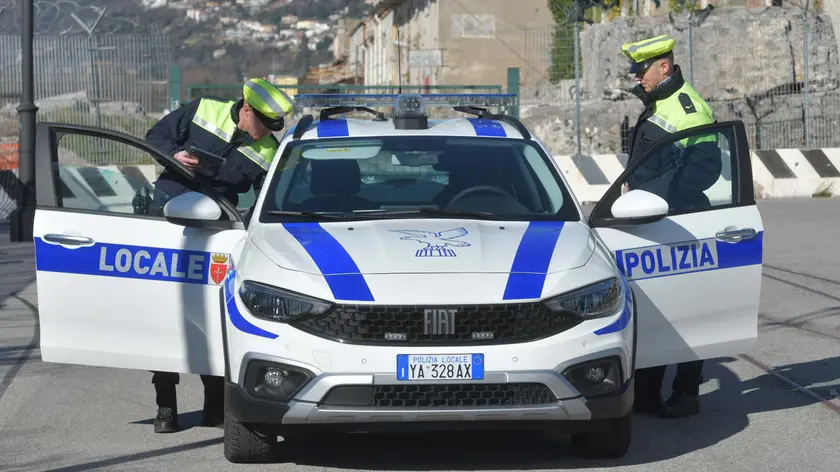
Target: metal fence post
(577, 85)
(805, 67)
(174, 87)
(23, 217)
(513, 87)
(690, 53)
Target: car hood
(395, 246)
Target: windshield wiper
(434, 211)
(310, 214)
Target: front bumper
(317, 403)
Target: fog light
(595, 375)
(272, 381)
(274, 377)
(596, 378)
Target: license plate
(440, 367)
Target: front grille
(440, 396)
(473, 324)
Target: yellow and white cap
(643, 53)
(271, 103)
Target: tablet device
(207, 160)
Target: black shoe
(681, 405)
(166, 420)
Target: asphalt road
(774, 410)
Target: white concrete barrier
(778, 173)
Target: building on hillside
(441, 42)
(341, 41)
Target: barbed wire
(66, 17)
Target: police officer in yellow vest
(678, 173)
(237, 130)
(240, 131)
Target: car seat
(469, 166)
(334, 185)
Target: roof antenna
(399, 61)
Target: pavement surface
(773, 410)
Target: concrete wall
(482, 38)
(447, 42)
(418, 22)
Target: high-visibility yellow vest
(682, 110)
(215, 117)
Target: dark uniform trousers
(165, 383)
(208, 124)
(659, 174)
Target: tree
(566, 13)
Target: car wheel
(248, 443)
(612, 442)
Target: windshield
(399, 176)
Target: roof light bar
(390, 100)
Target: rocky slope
(748, 63)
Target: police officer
(241, 132)
(237, 130)
(679, 177)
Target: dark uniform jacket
(679, 173)
(210, 125)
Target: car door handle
(736, 235)
(68, 239)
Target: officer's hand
(188, 160)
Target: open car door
(118, 286)
(685, 230)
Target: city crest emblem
(437, 244)
(219, 268)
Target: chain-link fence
(90, 69)
(118, 82)
(774, 68)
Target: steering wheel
(479, 188)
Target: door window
(693, 171)
(106, 172)
(98, 174)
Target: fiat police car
(402, 272)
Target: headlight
(593, 301)
(272, 303)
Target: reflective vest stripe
(662, 124)
(211, 128)
(254, 156)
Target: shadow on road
(133, 457)
(725, 413)
(186, 421)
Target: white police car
(405, 272)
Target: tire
(248, 444)
(610, 443)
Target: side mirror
(640, 204)
(192, 209)
(635, 207)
